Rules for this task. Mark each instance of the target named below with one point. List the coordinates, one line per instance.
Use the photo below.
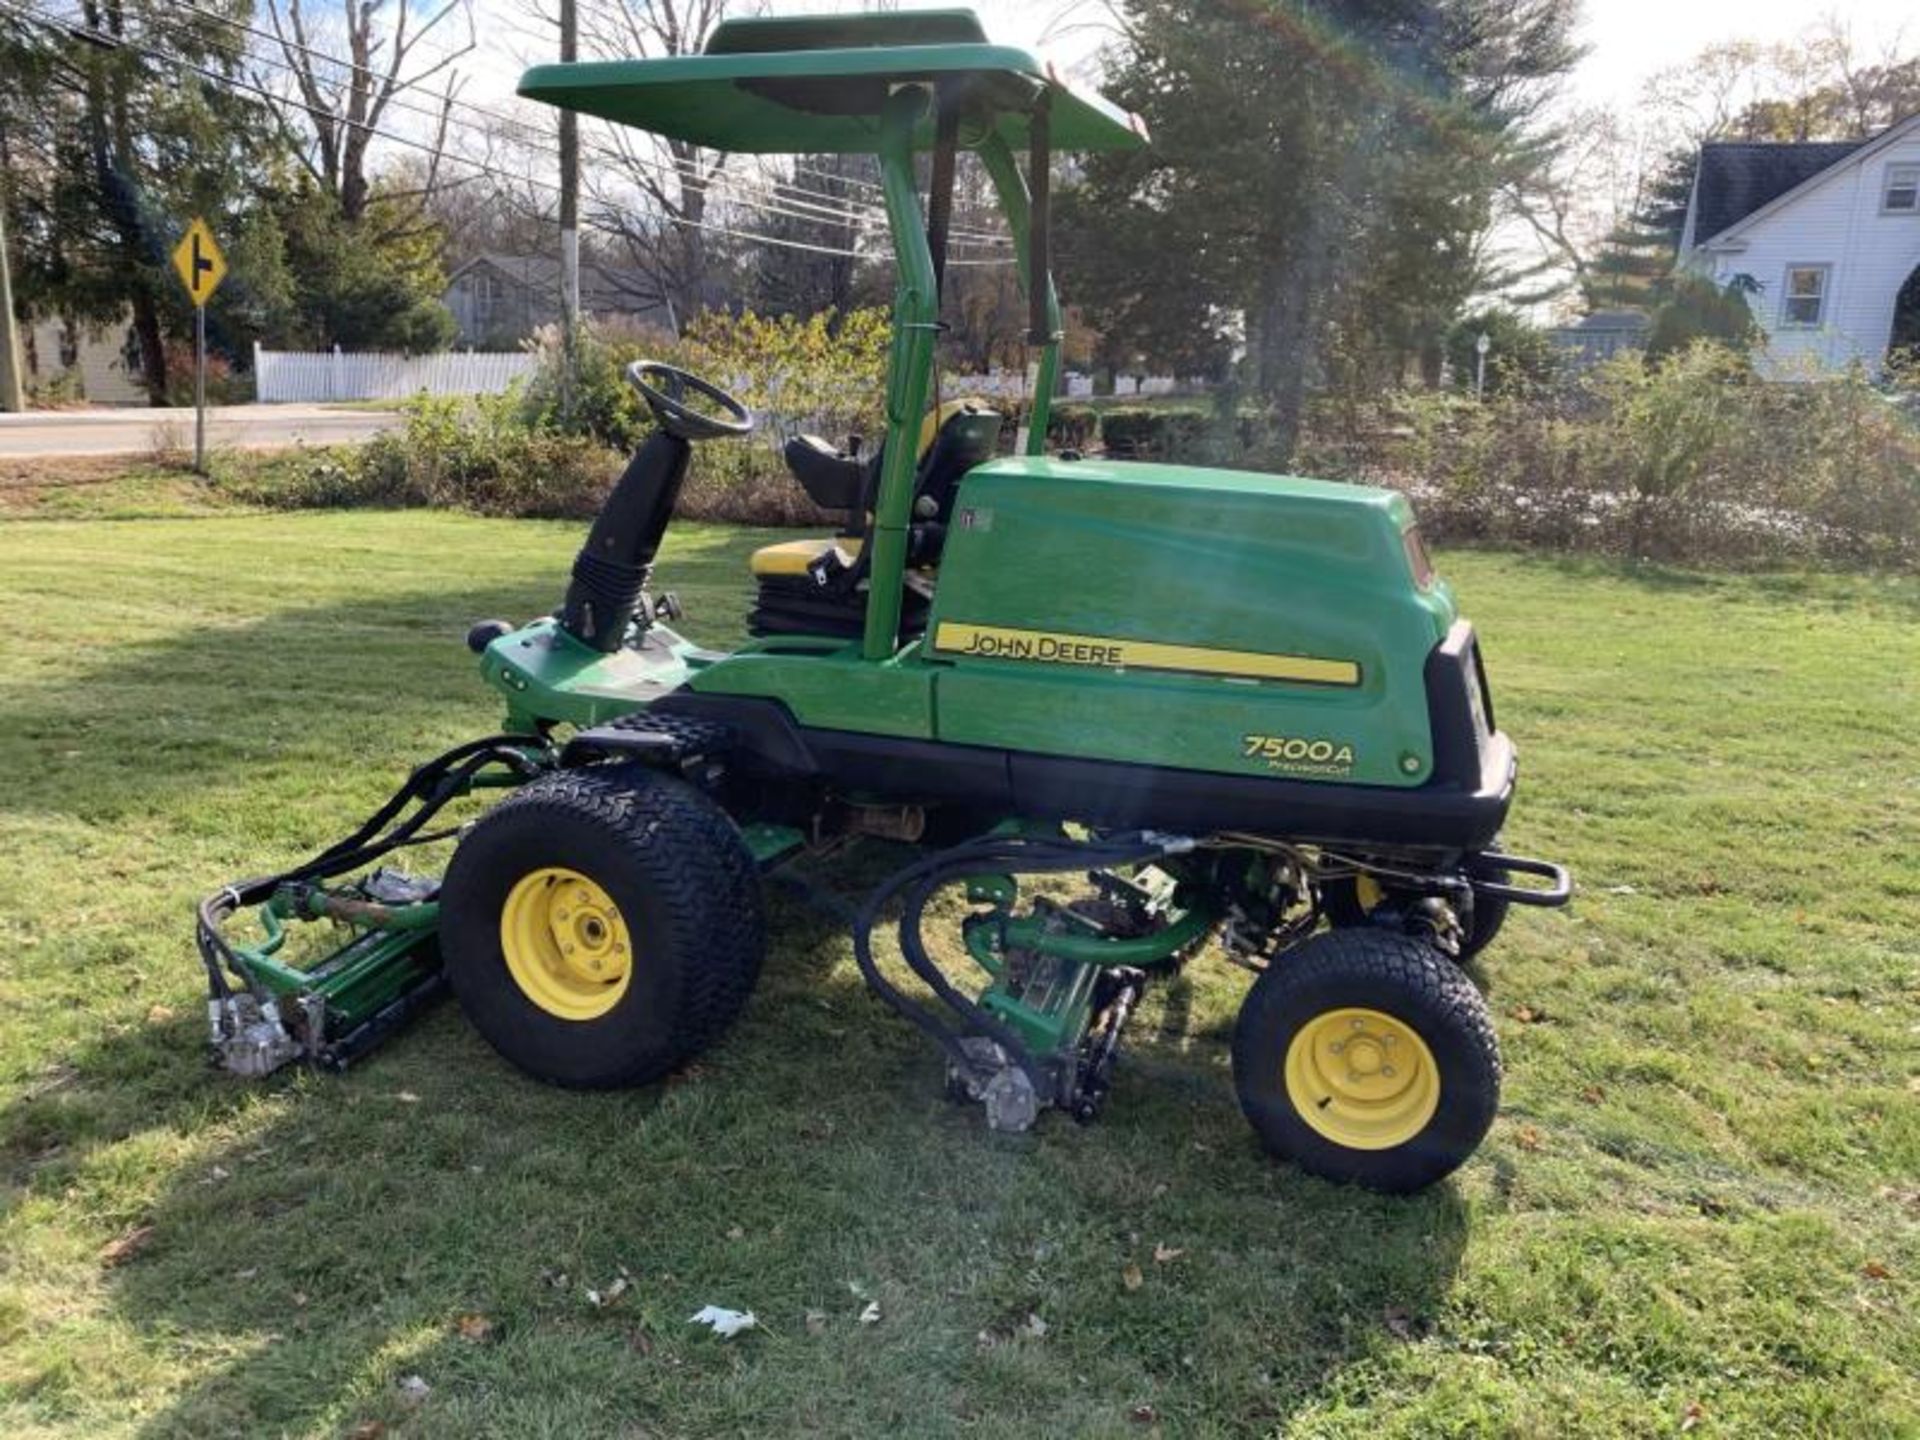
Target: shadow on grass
(342, 1231)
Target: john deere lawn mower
(1241, 708)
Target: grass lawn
(1699, 1211)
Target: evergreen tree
(1634, 265)
(1319, 176)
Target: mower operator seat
(817, 586)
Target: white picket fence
(292, 375)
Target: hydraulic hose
(921, 880)
(429, 788)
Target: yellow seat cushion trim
(792, 557)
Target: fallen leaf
(1593, 1094)
(1132, 1278)
(217, 1173)
(1166, 1254)
(299, 1297)
(556, 1278)
(159, 1014)
(870, 1314)
(600, 1299)
(1528, 1138)
(723, 1322)
(407, 1097)
(249, 1273)
(1621, 890)
(1876, 1270)
(1143, 1414)
(816, 1322)
(1692, 1415)
(1527, 1015)
(1400, 1323)
(368, 1430)
(123, 1248)
(736, 1233)
(474, 1327)
(413, 1389)
(1035, 1326)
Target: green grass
(1699, 1209)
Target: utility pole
(569, 187)
(11, 395)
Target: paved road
(138, 431)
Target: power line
(121, 42)
(797, 198)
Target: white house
(1824, 240)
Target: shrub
(451, 454)
(1071, 426)
(1148, 432)
(1689, 460)
(1520, 357)
(1700, 310)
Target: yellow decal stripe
(1050, 647)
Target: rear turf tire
(1321, 1025)
(670, 878)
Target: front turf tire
(669, 879)
(1366, 1056)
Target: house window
(1902, 195)
(1805, 304)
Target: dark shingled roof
(1738, 177)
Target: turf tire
(678, 870)
(1414, 983)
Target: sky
(1631, 39)
(1628, 40)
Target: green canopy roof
(816, 84)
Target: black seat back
(968, 438)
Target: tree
(360, 295)
(819, 202)
(1635, 261)
(1700, 310)
(118, 126)
(330, 105)
(1321, 173)
(1520, 357)
(670, 240)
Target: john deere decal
(998, 643)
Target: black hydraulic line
(920, 880)
(432, 785)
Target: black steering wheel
(665, 389)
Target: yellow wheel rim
(1362, 1079)
(566, 943)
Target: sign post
(1480, 348)
(201, 268)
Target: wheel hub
(1362, 1078)
(566, 943)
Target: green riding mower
(1242, 708)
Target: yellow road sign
(198, 259)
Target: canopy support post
(909, 366)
